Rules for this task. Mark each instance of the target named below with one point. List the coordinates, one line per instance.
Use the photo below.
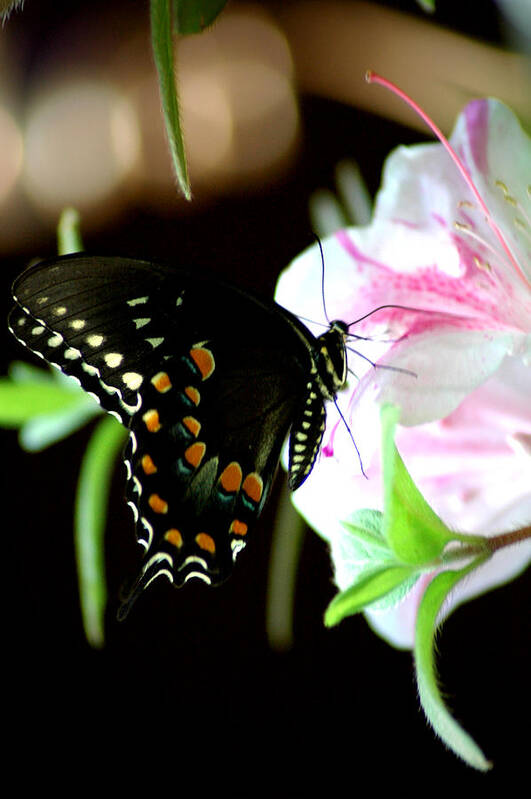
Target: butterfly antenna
(382, 365)
(322, 277)
(351, 438)
(390, 305)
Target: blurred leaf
(413, 530)
(351, 206)
(326, 213)
(20, 402)
(7, 6)
(90, 517)
(163, 50)
(286, 545)
(430, 696)
(427, 5)
(193, 16)
(43, 431)
(46, 406)
(69, 232)
(353, 192)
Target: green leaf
(414, 532)
(163, 50)
(89, 523)
(370, 587)
(193, 16)
(437, 714)
(69, 232)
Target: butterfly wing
(207, 378)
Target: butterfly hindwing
(201, 462)
(207, 379)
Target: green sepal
(163, 50)
(370, 587)
(89, 523)
(193, 16)
(412, 529)
(430, 697)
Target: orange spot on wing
(204, 360)
(148, 465)
(206, 542)
(152, 421)
(195, 453)
(192, 394)
(231, 478)
(174, 537)
(237, 527)
(253, 486)
(157, 504)
(162, 382)
(192, 425)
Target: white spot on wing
(113, 359)
(132, 380)
(77, 324)
(155, 342)
(94, 340)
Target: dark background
(188, 687)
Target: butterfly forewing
(207, 378)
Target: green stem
(484, 545)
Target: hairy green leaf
(371, 586)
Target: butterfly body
(208, 380)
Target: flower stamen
(525, 223)
(463, 228)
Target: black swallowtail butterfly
(207, 379)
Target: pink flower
(459, 251)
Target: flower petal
(497, 152)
